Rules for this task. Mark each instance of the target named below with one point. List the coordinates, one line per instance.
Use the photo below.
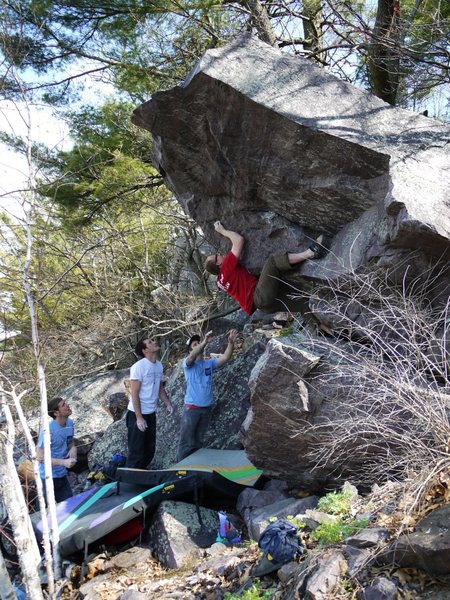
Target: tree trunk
(27, 548)
(261, 21)
(383, 58)
(312, 28)
(40, 494)
(6, 588)
(53, 569)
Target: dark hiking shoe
(320, 249)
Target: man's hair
(193, 338)
(53, 406)
(211, 267)
(140, 346)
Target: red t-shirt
(235, 280)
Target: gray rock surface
(259, 137)
(381, 589)
(314, 518)
(92, 589)
(129, 558)
(221, 564)
(88, 400)
(250, 499)
(232, 399)
(176, 535)
(259, 518)
(357, 559)
(286, 393)
(427, 548)
(280, 150)
(323, 582)
(114, 441)
(367, 538)
(321, 416)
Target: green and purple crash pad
(89, 516)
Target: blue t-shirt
(199, 380)
(61, 439)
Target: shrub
(336, 503)
(255, 592)
(337, 531)
(386, 379)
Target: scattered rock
(287, 572)
(367, 538)
(251, 499)
(357, 559)
(381, 589)
(92, 589)
(259, 518)
(221, 565)
(130, 558)
(132, 595)
(176, 536)
(427, 548)
(324, 581)
(313, 518)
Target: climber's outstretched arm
(237, 241)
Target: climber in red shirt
(248, 290)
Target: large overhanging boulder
(279, 150)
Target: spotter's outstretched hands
(232, 335)
(208, 337)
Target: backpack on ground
(279, 542)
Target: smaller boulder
(381, 589)
(260, 518)
(177, 536)
(367, 538)
(324, 581)
(314, 518)
(357, 559)
(427, 548)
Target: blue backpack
(279, 542)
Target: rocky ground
(133, 575)
(360, 566)
(398, 555)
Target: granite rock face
(89, 401)
(232, 401)
(176, 534)
(316, 414)
(232, 398)
(114, 441)
(279, 150)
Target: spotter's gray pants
(194, 423)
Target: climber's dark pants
(266, 296)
